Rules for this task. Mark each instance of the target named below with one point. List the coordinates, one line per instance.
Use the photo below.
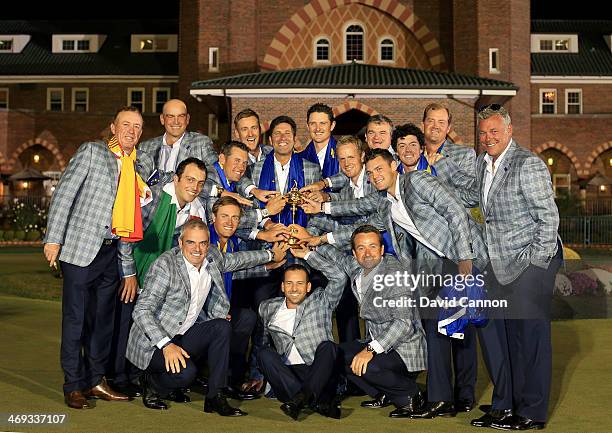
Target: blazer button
(106, 227)
(487, 221)
(180, 323)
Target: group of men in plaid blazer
(398, 204)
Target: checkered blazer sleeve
(356, 207)
(432, 190)
(464, 182)
(339, 181)
(65, 194)
(336, 278)
(536, 188)
(244, 259)
(151, 299)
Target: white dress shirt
(285, 319)
(400, 216)
(490, 171)
(168, 154)
(282, 174)
(358, 188)
(200, 283)
(321, 155)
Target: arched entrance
(351, 122)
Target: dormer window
(6, 45)
(13, 43)
(154, 43)
(77, 43)
(541, 43)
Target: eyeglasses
(493, 107)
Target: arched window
(321, 53)
(387, 50)
(354, 43)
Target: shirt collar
(359, 179)
(278, 163)
(177, 143)
(489, 159)
(190, 267)
(398, 196)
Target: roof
(351, 78)
(113, 58)
(594, 57)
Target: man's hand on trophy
(321, 196)
(299, 250)
(274, 265)
(298, 232)
(317, 186)
(276, 204)
(273, 233)
(264, 195)
(315, 241)
(279, 251)
(311, 206)
(243, 201)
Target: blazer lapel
(500, 176)
(184, 275)
(183, 152)
(111, 161)
(215, 274)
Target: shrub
(19, 235)
(8, 235)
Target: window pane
(386, 50)
(573, 98)
(161, 96)
(146, 44)
(56, 100)
(354, 43)
(493, 60)
(136, 99)
(573, 109)
(354, 28)
(83, 45)
(80, 100)
(68, 45)
(6, 45)
(546, 45)
(322, 49)
(562, 45)
(548, 97)
(162, 44)
(3, 98)
(548, 109)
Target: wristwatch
(370, 349)
(265, 213)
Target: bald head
(175, 119)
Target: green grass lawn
(31, 377)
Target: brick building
(359, 56)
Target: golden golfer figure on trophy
(294, 198)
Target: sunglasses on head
(494, 107)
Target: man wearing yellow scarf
(87, 215)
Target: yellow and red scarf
(127, 217)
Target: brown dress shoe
(77, 400)
(105, 392)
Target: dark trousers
(317, 380)
(529, 340)
(243, 323)
(347, 316)
(88, 304)
(119, 369)
(445, 354)
(386, 373)
(210, 339)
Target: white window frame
(212, 67)
(537, 37)
(542, 91)
(379, 48)
(49, 91)
(494, 69)
(95, 42)
(567, 92)
(344, 44)
(154, 98)
(5, 90)
(567, 176)
(129, 96)
(315, 46)
(213, 126)
(73, 99)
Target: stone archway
(563, 149)
(351, 117)
(308, 13)
(593, 156)
(44, 143)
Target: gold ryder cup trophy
(294, 198)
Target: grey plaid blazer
(313, 319)
(194, 145)
(463, 156)
(81, 210)
(394, 328)
(436, 213)
(265, 149)
(521, 217)
(162, 306)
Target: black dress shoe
(493, 415)
(434, 409)
(464, 405)
(381, 400)
(330, 409)
(517, 422)
(293, 407)
(150, 397)
(414, 405)
(178, 396)
(128, 388)
(237, 394)
(220, 405)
